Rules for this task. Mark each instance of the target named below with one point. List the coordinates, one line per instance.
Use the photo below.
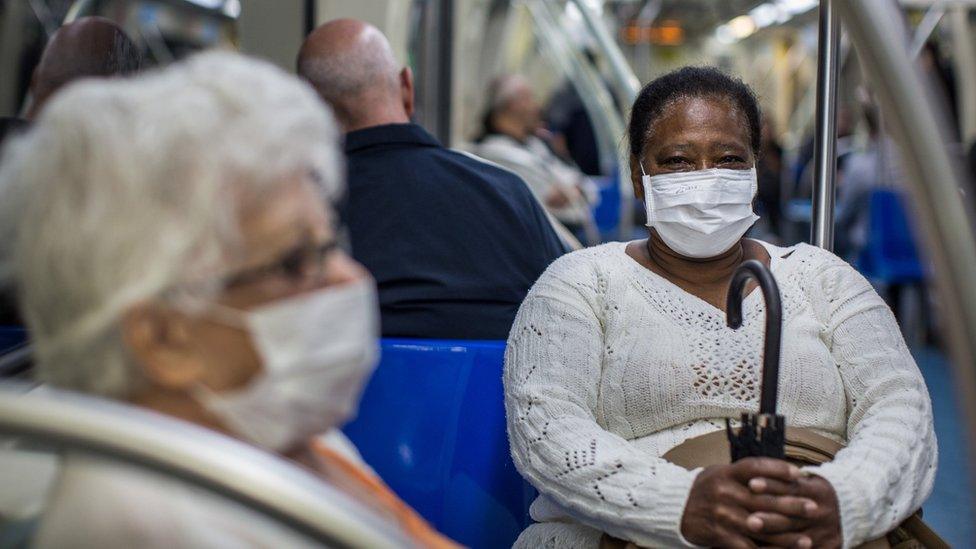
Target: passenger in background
(453, 242)
(85, 48)
(174, 247)
(573, 136)
(769, 171)
(510, 139)
(874, 166)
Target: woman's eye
(674, 161)
(293, 265)
(732, 159)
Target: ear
(636, 178)
(158, 339)
(406, 90)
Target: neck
(511, 127)
(378, 117)
(369, 114)
(710, 271)
(177, 404)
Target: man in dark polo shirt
(453, 242)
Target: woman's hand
(821, 525)
(559, 196)
(720, 505)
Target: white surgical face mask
(702, 213)
(318, 350)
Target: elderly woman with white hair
(172, 245)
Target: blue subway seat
(891, 255)
(12, 337)
(432, 425)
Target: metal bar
(607, 119)
(445, 69)
(626, 83)
(825, 138)
(188, 453)
(607, 122)
(942, 197)
(928, 25)
(311, 16)
(627, 86)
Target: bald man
(86, 47)
(453, 242)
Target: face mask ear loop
(648, 196)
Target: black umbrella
(761, 434)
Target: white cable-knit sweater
(610, 365)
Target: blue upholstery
(11, 337)
(890, 256)
(432, 424)
(607, 212)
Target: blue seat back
(891, 255)
(432, 425)
(607, 212)
(11, 337)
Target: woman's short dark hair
(691, 82)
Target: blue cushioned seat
(432, 424)
(890, 256)
(11, 337)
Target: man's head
(351, 65)
(513, 108)
(87, 47)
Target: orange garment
(367, 485)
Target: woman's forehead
(295, 212)
(699, 118)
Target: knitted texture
(609, 366)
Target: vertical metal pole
(940, 188)
(434, 67)
(825, 139)
(626, 83)
(311, 16)
(445, 70)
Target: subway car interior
(526, 141)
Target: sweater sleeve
(552, 381)
(888, 467)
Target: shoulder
(494, 173)
(814, 260)
(477, 162)
(829, 281)
(582, 271)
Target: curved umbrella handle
(774, 324)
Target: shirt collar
(389, 134)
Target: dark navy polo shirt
(453, 242)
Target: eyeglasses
(300, 264)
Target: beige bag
(804, 447)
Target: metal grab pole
(825, 139)
(626, 83)
(941, 194)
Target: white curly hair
(125, 189)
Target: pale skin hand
(559, 197)
(821, 527)
(720, 505)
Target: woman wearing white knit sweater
(620, 352)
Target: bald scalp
(352, 66)
(87, 47)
